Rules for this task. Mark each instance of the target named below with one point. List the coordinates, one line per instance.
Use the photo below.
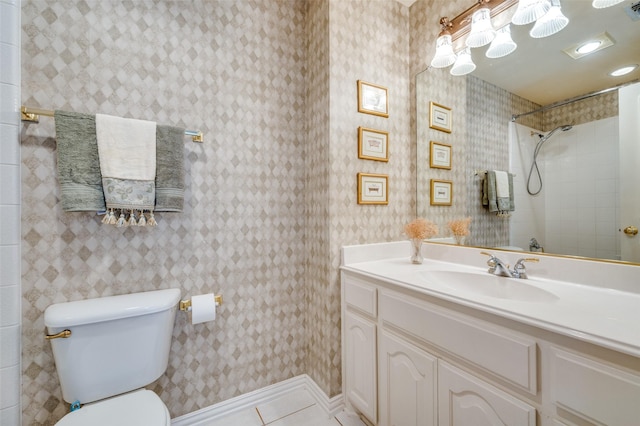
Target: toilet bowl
(140, 407)
(106, 350)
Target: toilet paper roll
(203, 308)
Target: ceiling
(540, 71)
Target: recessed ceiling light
(623, 70)
(588, 47)
(593, 44)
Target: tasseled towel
(497, 194)
(127, 150)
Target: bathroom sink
(485, 284)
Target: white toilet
(117, 345)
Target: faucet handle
(492, 259)
(526, 259)
(519, 269)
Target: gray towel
(78, 162)
(501, 206)
(169, 169)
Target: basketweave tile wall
(236, 71)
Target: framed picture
(441, 192)
(440, 117)
(373, 144)
(373, 99)
(373, 189)
(440, 155)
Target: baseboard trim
(331, 405)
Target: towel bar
(33, 115)
(484, 172)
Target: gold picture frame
(440, 117)
(373, 188)
(373, 99)
(441, 193)
(440, 155)
(373, 144)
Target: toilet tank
(117, 343)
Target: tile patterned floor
(297, 408)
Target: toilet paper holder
(185, 305)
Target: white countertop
(605, 316)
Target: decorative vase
(416, 251)
(460, 239)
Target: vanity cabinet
(414, 359)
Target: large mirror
(579, 204)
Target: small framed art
(373, 144)
(440, 117)
(441, 192)
(373, 99)
(440, 155)
(373, 189)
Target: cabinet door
(465, 400)
(407, 384)
(360, 364)
(596, 392)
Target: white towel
(127, 153)
(502, 184)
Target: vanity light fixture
(482, 32)
(473, 23)
(529, 11)
(601, 4)
(550, 23)
(503, 44)
(464, 64)
(623, 70)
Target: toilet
(116, 346)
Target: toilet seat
(140, 407)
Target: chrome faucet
(499, 268)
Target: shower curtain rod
(514, 117)
(33, 115)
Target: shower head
(564, 128)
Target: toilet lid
(141, 407)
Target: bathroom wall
(271, 194)
(348, 41)
(10, 311)
(235, 70)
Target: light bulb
(482, 31)
(444, 52)
(502, 45)
(529, 11)
(464, 64)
